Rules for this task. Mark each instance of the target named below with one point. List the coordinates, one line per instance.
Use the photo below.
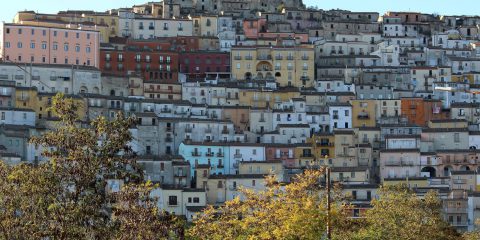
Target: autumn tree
(65, 198)
(400, 214)
(294, 211)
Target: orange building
(419, 111)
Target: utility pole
(329, 227)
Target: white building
(340, 115)
(17, 116)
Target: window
(346, 113)
(44, 45)
(66, 34)
(54, 33)
(19, 45)
(172, 200)
(88, 49)
(196, 200)
(32, 45)
(253, 183)
(7, 44)
(65, 47)
(77, 48)
(55, 46)
(3, 115)
(456, 137)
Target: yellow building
(263, 98)
(261, 167)
(325, 148)
(413, 182)
(363, 113)
(26, 98)
(304, 154)
(205, 25)
(106, 24)
(286, 65)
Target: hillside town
(228, 92)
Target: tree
(294, 211)
(65, 198)
(400, 214)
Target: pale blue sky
(467, 7)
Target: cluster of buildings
(227, 92)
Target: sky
(459, 7)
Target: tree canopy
(66, 198)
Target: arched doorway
(112, 92)
(447, 170)
(429, 172)
(83, 89)
(248, 75)
(259, 75)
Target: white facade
(240, 153)
(17, 116)
(54, 78)
(340, 116)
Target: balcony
(19, 77)
(459, 181)
(237, 155)
(327, 144)
(120, 60)
(196, 154)
(264, 57)
(3, 76)
(209, 154)
(430, 75)
(151, 28)
(248, 58)
(335, 116)
(305, 68)
(305, 57)
(225, 131)
(165, 28)
(135, 85)
(305, 78)
(169, 129)
(278, 57)
(278, 68)
(168, 139)
(166, 110)
(188, 130)
(23, 98)
(220, 154)
(220, 166)
(306, 156)
(289, 57)
(237, 57)
(363, 117)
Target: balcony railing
(168, 139)
(36, 78)
(305, 78)
(237, 57)
(219, 154)
(237, 155)
(264, 57)
(225, 131)
(209, 154)
(19, 77)
(305, 57)
(278, 57)
(188, 130)
(289, 57)
(364, 117)
(278, 68)
(3, 76)
(196, 154)
(335, 116)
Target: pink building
(47, 45)
(283, 152)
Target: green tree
(400, 214)
(294, 211)
(65, 198)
